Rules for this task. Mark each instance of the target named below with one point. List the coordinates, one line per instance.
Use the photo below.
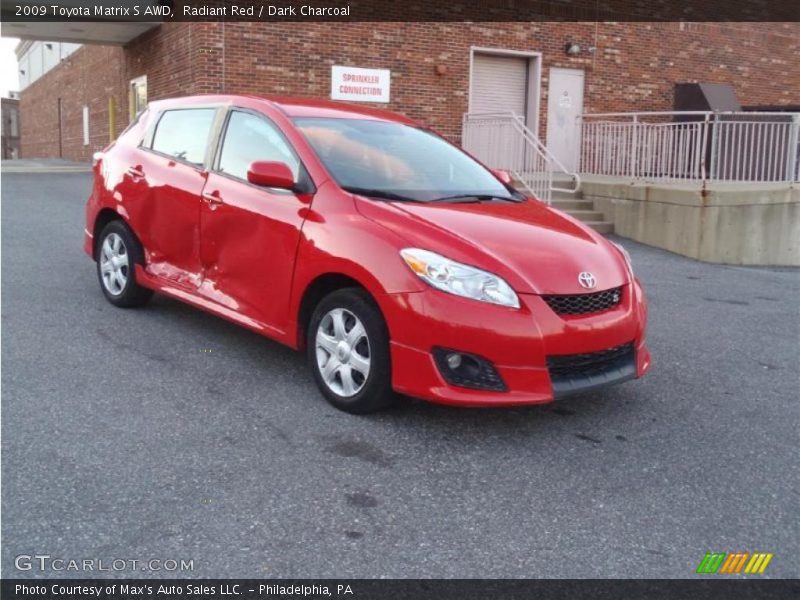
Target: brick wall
(88, 77)
(170, 57)
(92, 75)
(634, 67)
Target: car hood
(535, 248)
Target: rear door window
(184, 133)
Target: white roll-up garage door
(499, 84)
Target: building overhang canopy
(105, 33)
(110, 31)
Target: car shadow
(412, 417)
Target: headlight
(462, 280)
(626, 255)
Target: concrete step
(567, 195)
(554, 195)
(604, 227)
(583, 210)
(587, 216)
(571, 204)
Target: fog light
(454, 360)
(468, 370)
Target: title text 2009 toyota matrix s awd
(398, 262)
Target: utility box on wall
(705, 96)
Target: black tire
(131, 294)
(376, 391)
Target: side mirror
(271, 174)
(503, 176)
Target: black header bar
(716, 588)
(400, 11)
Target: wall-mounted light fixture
(48, 45)
(572, 49)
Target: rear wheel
(348, 351)
(118, 251)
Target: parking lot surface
(166, 433)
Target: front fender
(337, 240)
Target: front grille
(581, 304)
(592, 363)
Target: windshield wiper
(378, 194)
(474, 198)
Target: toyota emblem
(587, 280)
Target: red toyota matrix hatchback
(395, 260)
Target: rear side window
(249, 138)
(184, 133)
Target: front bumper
(88, 243)
(517, 342)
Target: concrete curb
(54, 169)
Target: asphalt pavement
(166, 433)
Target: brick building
(438, 71)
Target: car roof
(293, 107)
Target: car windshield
(398, 162)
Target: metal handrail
(503, 141)
(533, 139)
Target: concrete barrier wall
(738, 224)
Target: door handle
(135, 172)
(212, 198)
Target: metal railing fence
(694, 145)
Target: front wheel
(348, 351)
(118, 251)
